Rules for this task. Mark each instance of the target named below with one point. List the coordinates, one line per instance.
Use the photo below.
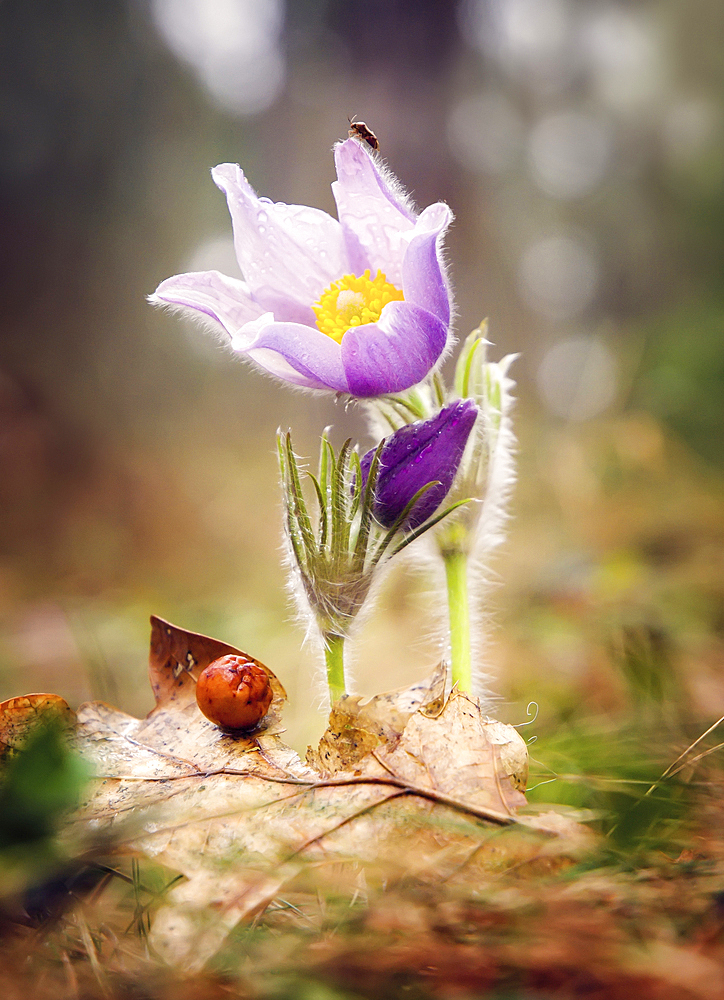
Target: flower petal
(423, 274)
(288, 254)
(393, 354)
(299, 354)
(373, 210)
(225, 301)
(418, 454)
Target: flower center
(353, 301)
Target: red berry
(234, 692)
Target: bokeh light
(569, 154)
(233, 46)
(625, 54)
(577, 378)
(485, 133)
(529, 38)
(558, 276)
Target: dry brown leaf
(357, 725)
(19, 715)
(454, 756)
(238, 814)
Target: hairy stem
(456, 574)
(334, 658)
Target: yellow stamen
(353, 301)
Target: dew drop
(262, 216)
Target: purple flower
(360, 305)
(416, 455)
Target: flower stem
(334, 657)
(456, 573)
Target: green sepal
(300, 513)
(429, 524)
(391, 532)
(365, 524)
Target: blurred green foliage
(38, 784)
(683, 375)
(616, 773)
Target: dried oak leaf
(357, 725)
(455, 756)
(19, 715)
(238, 815)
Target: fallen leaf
(239, 815)
(454, 755)
(19, 715)
(357, 725)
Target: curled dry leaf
(357, 725)
(239, 814)
(454, 755)
(19, 715)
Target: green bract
(337, 558)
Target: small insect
(234, 692)
(360, 130)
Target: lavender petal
(423, 275)
(299, 354)
(373, 211)
(225, 301)
(287, 253)
(393, 354)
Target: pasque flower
(359, 305)
(423, 452)
(335, 562)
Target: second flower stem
(456, 573)
(334, 658)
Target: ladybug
(234, 692)
(360, 130)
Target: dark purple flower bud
(418, 454)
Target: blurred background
(580, 144)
